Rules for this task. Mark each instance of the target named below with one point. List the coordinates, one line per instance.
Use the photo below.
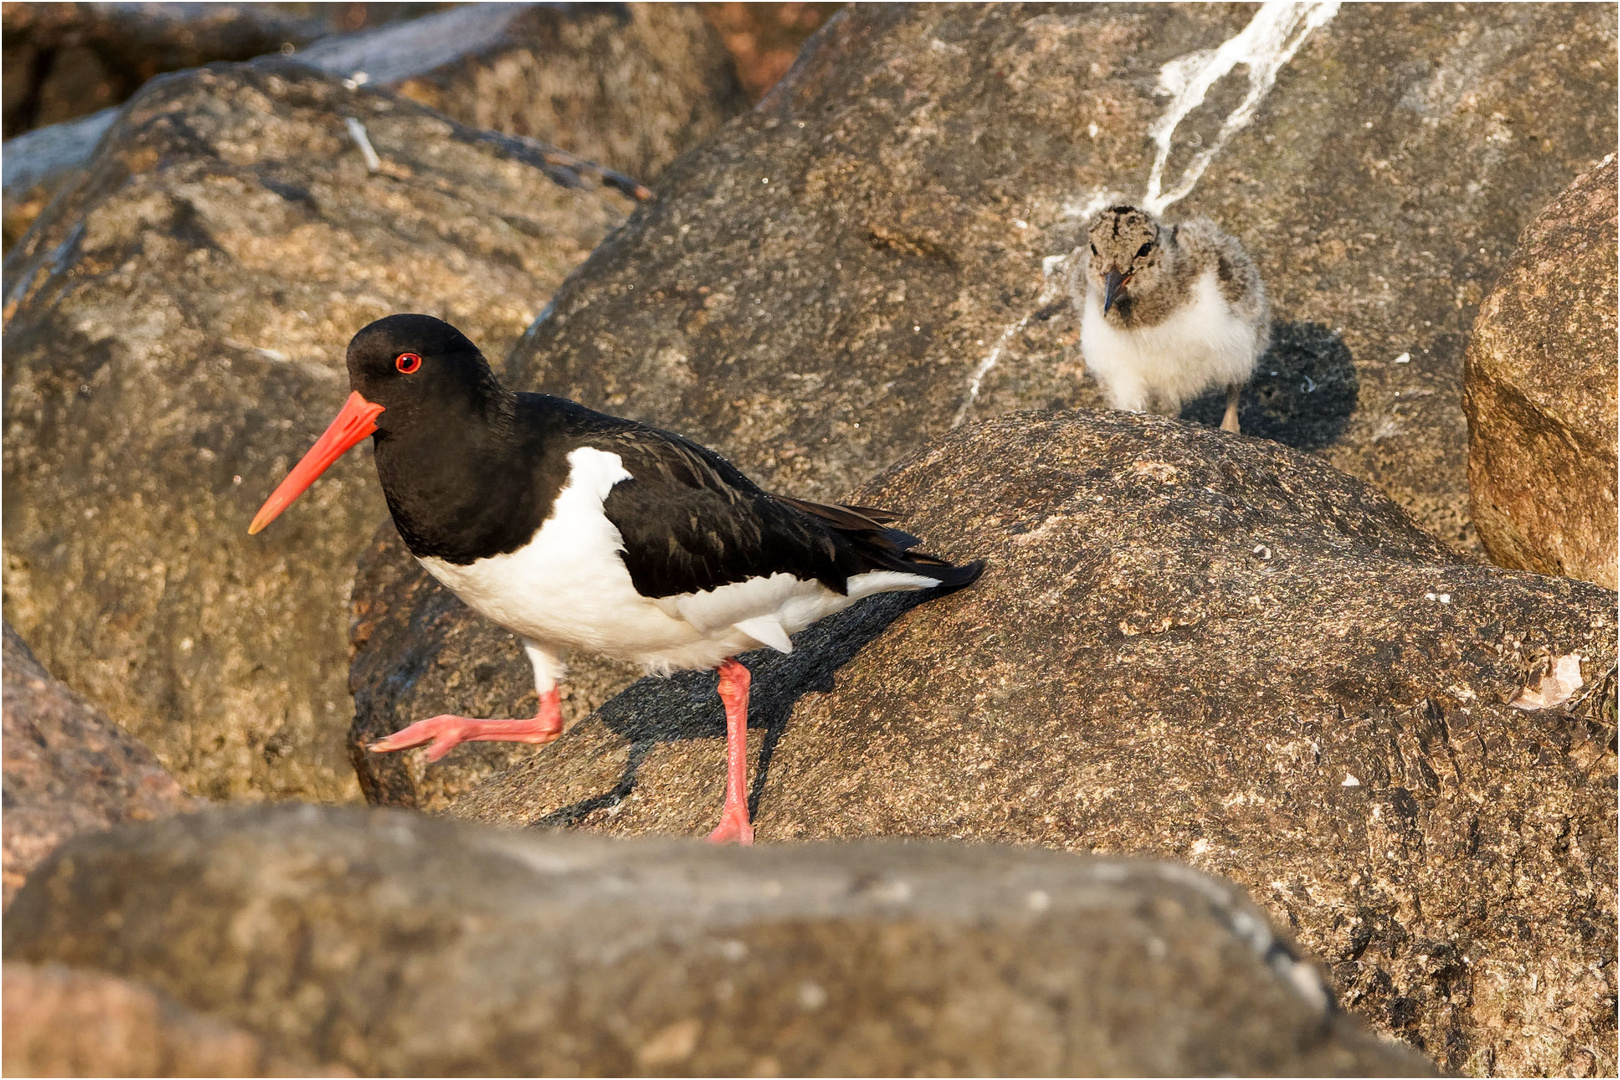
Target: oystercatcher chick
(1169, 311)
(584, 532)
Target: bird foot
(447, 732)
(734, 827)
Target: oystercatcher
(580, 531)
(1168, 311)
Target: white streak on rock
(976, 380)
(1264, 46)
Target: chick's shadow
(686, 704)
(1303, 393)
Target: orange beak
(357, 419)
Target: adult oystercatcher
(580, 531)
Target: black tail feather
(885, 548)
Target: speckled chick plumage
(1167, 311)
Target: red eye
(407, 362)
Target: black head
(416, 366)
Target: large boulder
(1207, 649)
(629, 86)
(61, 1022)
(856, 265)
(397, 944)
(67, 768)
(175, 342)
(1539, 389)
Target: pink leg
(734, 823)
(446, 732)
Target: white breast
(568, 589)
(1202, 345)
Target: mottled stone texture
(818, 284)
(1540, 392)
(62, 1022)
(175, 342)
(67, 768)
(1202, 648)
(64, 60)
(398, 944)
(629, 86)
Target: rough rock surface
(398, 944)
(61, 1022)
(629, 86)
(66, 65)
(175, 342)
(67, 768)
(1201, 648)
(62, 61)
(1539, 390)
(819, 285)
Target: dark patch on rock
(1540, 392)
(175, 341)
(68, 769)
(1215, 649)
(398, 944)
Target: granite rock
(175, 339)
(841, 275)
(67, 767)
(1539, 390)
(62, 1022)
(1202, 648)
(397, 944)
(629, 86)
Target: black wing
(691, 521)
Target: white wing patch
(568, 589)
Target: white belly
(1202, 345)
(568, 589)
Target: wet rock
(61, 1022)
(176, 341)
(629, 86)
(838, 277)
(398, 944)
(1539, 392)
(68, 768)
(1200, 648)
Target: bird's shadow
(1303, 393)
(686, 704)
